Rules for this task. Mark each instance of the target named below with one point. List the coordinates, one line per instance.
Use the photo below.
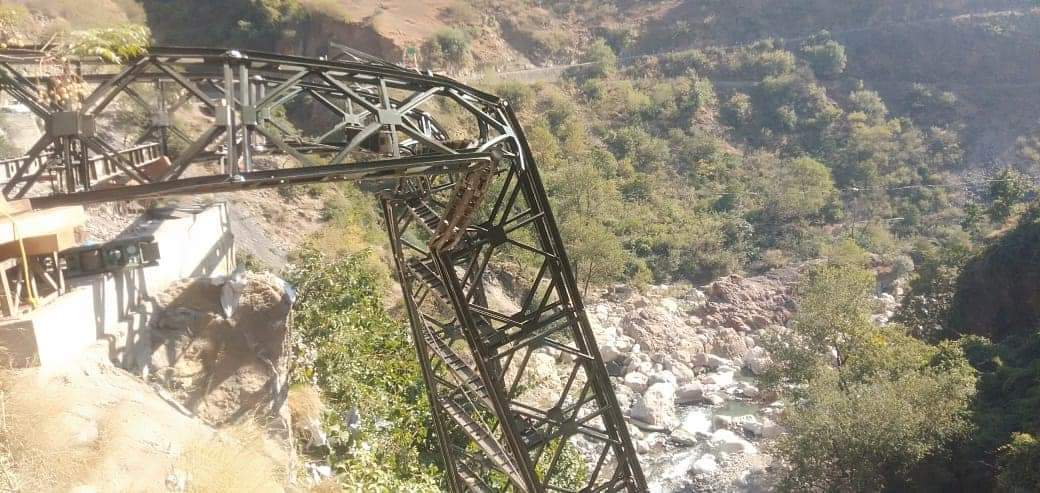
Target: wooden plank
(12, 207)
(46, 222)
(40, 245)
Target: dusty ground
(93, 427)
(215, 420)
(223, 370)
(409, 22)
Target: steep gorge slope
(998, 292)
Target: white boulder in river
(656, 407)
(705, 465)
(728, 442)
(636, 381)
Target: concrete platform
(117, 307)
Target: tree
(737, 111)
(870, 104)
(12, 20)
(926, 307)
(452, 44)
(602, 60)
(797, 189)
(865, 403)
(1020, 464)
(363, 360)
(1006, 191)
(594, 250)
(254, 24)
(870, 436)
(828, 59)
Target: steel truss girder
(504, 412)
(478, 358)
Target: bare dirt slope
(224, 370)
(407, 22)
(93, 427)
(216, 420)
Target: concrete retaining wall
(117, 307)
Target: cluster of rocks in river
(684, 362)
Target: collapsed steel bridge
(462, 193)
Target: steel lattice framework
(463, 194)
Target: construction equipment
(456, 201)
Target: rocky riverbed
(685, 362)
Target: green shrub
(737, 112)
(114, 45)
(603, 61)
(828, 59)
(1020, 464)
(450, 46)
(363, 360)
(869, 403)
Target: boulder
(683, 374)
(541, 368)
(730, 344)
(656, 407)
(728, 442)
(663, 376)
(692, 393)
(683, 438)
(610, 353)
(714, 399)
(764, 428)
(747, 390)
(636, 381)
(625, 396)
(695, 297)
(720, 379)
(622, 292)
(639, 363)
(709, 360)
(705, 465)
(697, 423)
(757, 360)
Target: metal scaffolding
(463, 193)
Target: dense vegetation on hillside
(696, 179)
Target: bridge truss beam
(228, 120)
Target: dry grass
(85, 15)
(231, 461)
(305, 410)
(333, 9)
(38, 431)
(305, 402)
(329, 485)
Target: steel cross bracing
(463, 200)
